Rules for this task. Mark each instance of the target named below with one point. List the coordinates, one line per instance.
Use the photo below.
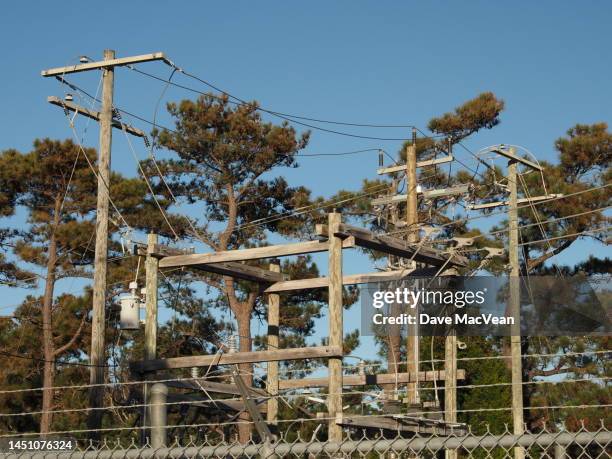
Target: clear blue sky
(377, 62)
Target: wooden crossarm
(257, 253)
(315, 352)
(367, 380)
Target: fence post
(560, 451)
(159, 415)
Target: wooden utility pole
(450, 383)
(273, 342)
(105, 118)
(514, 300)
(98, 323)
(412, 220)
(334, 400)
(151, 274)
(150, 335)
(514, 307)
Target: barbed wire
(303, 420)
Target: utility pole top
(60, 71)
(94, 115)
(510, 153)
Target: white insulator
(461, 345)
(232, 344)
(129, 317)
(361, 366)
(195, 372)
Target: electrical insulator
(195, 372)
(361, 366)
(381, 161)
(146, 141)
(68, 97)
(232, 344)
(461, 345)
(116, 114)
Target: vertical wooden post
(334, 400)
(514, 307)
(273, 342)
(450, 383)
(98, 322)
(151, 269)
(412, 220)
(150, 332)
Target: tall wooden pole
(151, 274)
(450, 383)
(273, 342)
(98, 326)
(150, 338)
(334, 402)
(412, 220)
(514, 307)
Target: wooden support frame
(402, 167)
(59, 71)
(367, 380)
(397, 247)
(93, 115)
(315, 352)
(256, 253)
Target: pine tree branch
(535, 262)
(76, 335)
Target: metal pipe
(159, 415)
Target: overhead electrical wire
(286, 116)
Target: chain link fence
(580, 443)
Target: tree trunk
(393, 349)
(48, 344)
(246, 369)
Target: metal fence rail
(562, 444)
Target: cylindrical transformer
(129, 317)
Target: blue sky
(364, 62)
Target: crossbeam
(387, 244)
(368, 380)
(427, 194)
(257, 253)
(58, 71)
(401, 423)
(214, 387)
(241, 271)
(206, 402)
(513, 157)
(299, 353)
(353, 279)
(402, 167)
(94, 115)
(489, 205)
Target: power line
(567, 236)
(239, 101)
